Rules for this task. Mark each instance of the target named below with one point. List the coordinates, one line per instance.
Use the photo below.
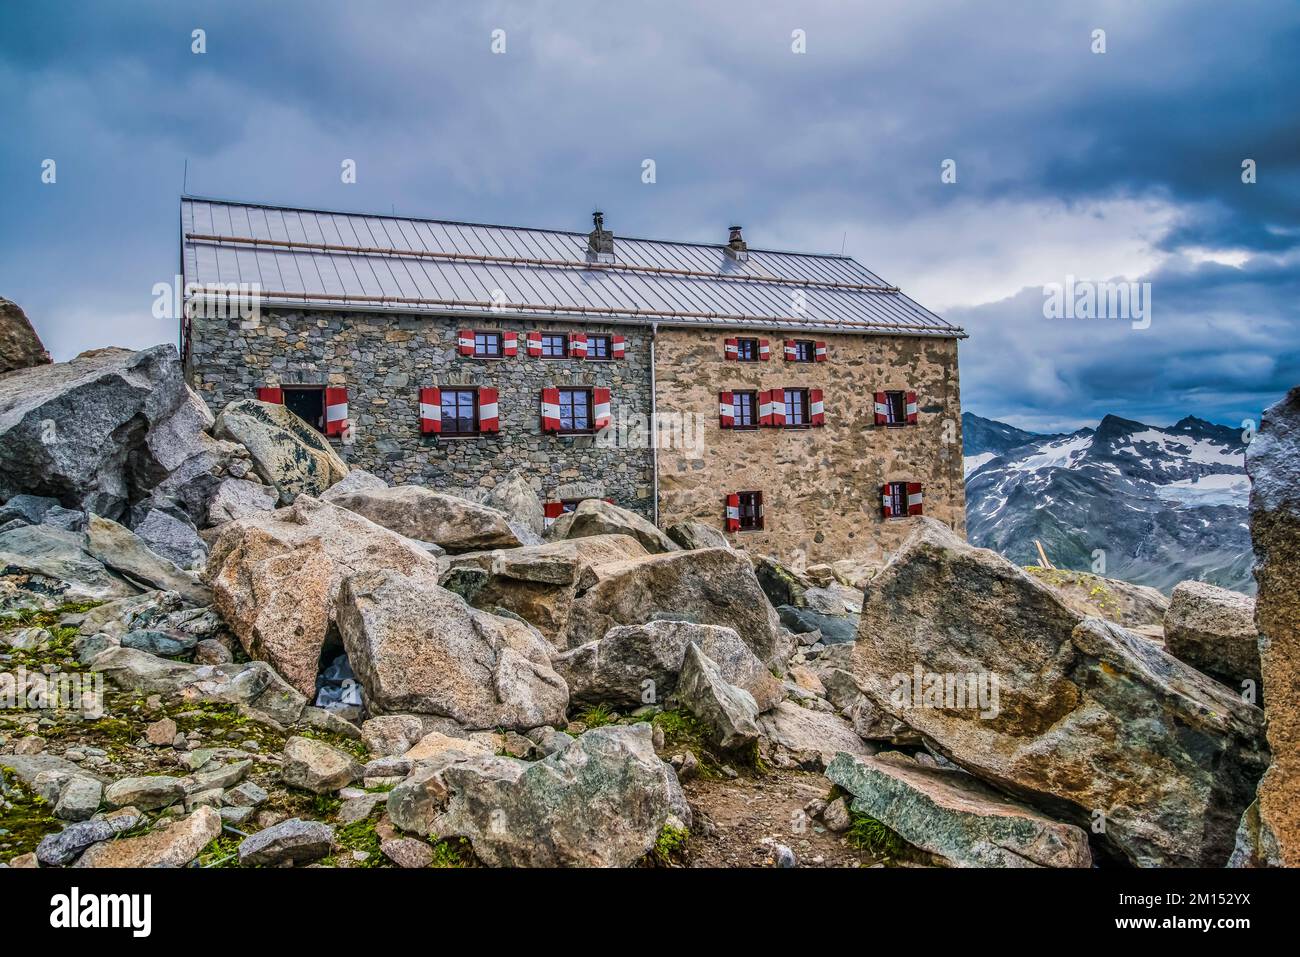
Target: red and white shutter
(816, 410)
(488, 416)
(886, 501)
(733, 513)
(913, 498)
(430, 410)
(601, 408)
(466, 342)
(336, 411)
(731, 350)
(882, 409)
(550, 410)
(550, 512)
(726, 410)
(765, 408)
(819, 352)
(777, 403)
(510, 344)
(271, 393)
(618, 347)
(578, 345)
(764, 350)
(791, 350)
(534, 344)
(912, 408)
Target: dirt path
(739, 822)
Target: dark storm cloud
(1069, 162)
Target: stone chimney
(737, 248)
(600, 241)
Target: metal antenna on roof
(185, 177)
(844, 241)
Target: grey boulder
(951, 814)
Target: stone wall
(821, 486)
(384, 359)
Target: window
(570, 504)
(896, 500)
(745, 409)
(896, 408)
(805, 350)
(575, 410)
(796, 407)
(459, 412)
(307, 403)
(598, 347)
(747, 350)
(487, 345)
(555, 345)
(751, 511)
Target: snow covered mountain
(1162, 504)
(985, 439)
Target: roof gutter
(632, 317)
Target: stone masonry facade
(384, 359)
(821, 486)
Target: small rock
(235, 815)
(836, 816)
(209, 651)
(359, 808)
(785, 857)
(175, 845)
(162, 643)
(148, 792)
(79, 799)
(56, 850)
(32, 744)
(315, 766)
(293, 841)
(161, 733)
(247, 793)
(690, 766)
(407, 852)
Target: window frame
(607, 342)
(444, 432)
(590, 395)
(751, 511)
(741, 346)
(752, 396)
(564, 345)
(890, 409)
(485, 334)
(897, 500)
(805, 397)
(800, 345)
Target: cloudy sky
(1117, 166)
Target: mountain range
(1147, 504)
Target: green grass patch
(222, 852)
(597, 716)
(26, 820)
(669, 848)
(868, 834)
(453, 852)
(361, 836)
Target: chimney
(737, 248)
(600, 241)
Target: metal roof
(335, 260)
